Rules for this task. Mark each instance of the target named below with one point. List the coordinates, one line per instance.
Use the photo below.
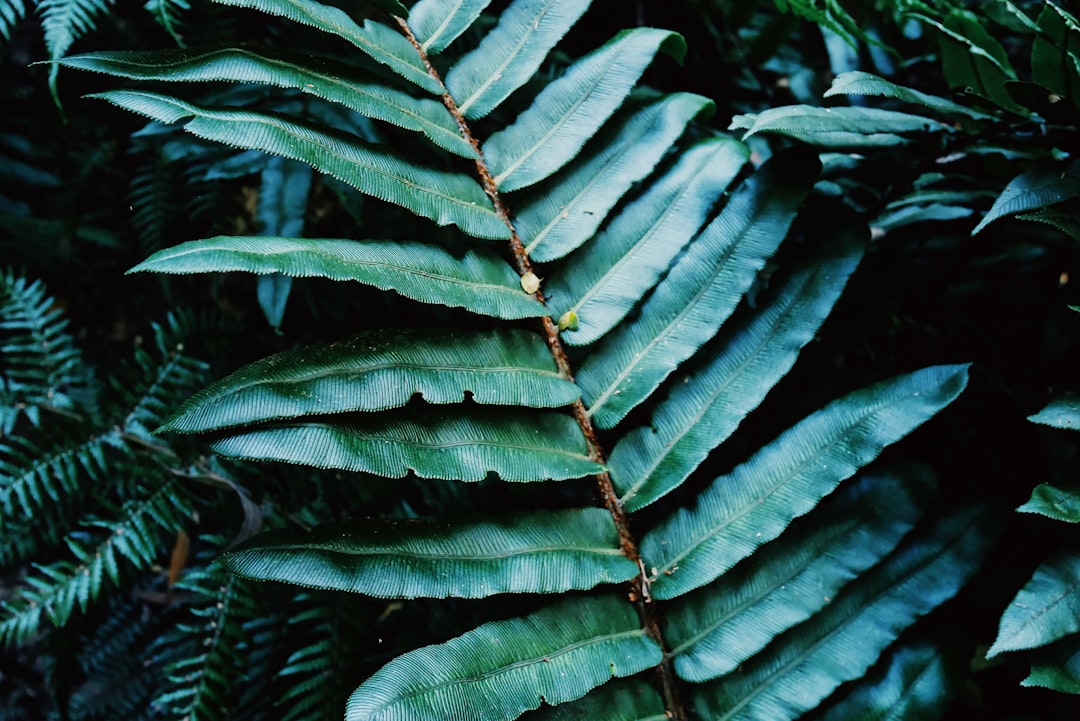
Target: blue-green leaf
(511, 53)
(1057, 668)
(538, 552)
(437, 23)
(477, 280)
(1045, 610)
(315, 76)
(1033, 190)
(1061, 504)
(500, 670)
(699, 293)
(562, 215)
(1054, 52)
(382, 369)
(571, 109)
(453, 446)
(788, 477)
(443, 196)
(706, 407)
(605, 279)
(806, 664)
(382, 43)
(619, 700)
(1061, 412)
(838, 128)
(857, 82)
(713, 630)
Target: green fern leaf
(318, 77)
(570, 110)
(1033, 190)
(785, 479)
(857, 82)
(1061, 504)
(167, 14)
(378, 370)
(35, 476)
(540, 552)
(712, 631)
(510, 54)
(437, 23)
(64, 22)
(11, 12)
(443, 196)
(378, 41)
(840, 128)
(538, 447)
(699, 293)
(1057, 668)
(508, 667)
(643, 240)
(477, 280)
(1045, 610)
(1055, 52)
(840, 643)
(619, 700)
(562, 215)
(704, 409)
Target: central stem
(639, 586)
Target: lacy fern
(655, 233)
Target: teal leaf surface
(477, 280)
(437, 23)
(715, 629)
(810, 661)
(539, 552)
(1033, 190)
(562, 215)
(382, 369)
(788, 477)
(442, 196)
(380, 42)
(704, 408)
(838, 128)
(1061, 412)
(1061, 504)
(1054, 53)
(511, 53)
(699, 293)
(857, 82)
(619, 700)
(1057, 668)
(315, 76)
(536, 447)
(505, 668)
(571, 109)
(605, 279)
(1046, 609)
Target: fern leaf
(11, 12)
(699, 293)
(620, 700)
(843, 641)
(510, 54)
(437, 23)
(540, 552)
(1046, 609)
(1057, 668)
(705, 408)
(1062, 412)
(787, 478)
(508, 667)
(380, 370)
(379, 42)
(1055, 52)
(562, 215)
(917, 681)
(605, 279)
(538, 447)
(64, 22)
(37, 475)
(321, 78)
(477, 280)
(840, 128)
(570, 110)
(443, 196)
(857, 82)
(1033, 190)
(167, 14)
(714, 630)
(57, 590)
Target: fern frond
(11, 12)
(167, 14)
(129, 545)
(64, 22)
(40, 366)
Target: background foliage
(115, 530)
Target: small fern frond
(167, 14)
(11, 12)
(64, 22)
(40, 472)
(131, 545)
(40, 366)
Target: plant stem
(639, 586)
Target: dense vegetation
(539, 358)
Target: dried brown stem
(639, 586)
